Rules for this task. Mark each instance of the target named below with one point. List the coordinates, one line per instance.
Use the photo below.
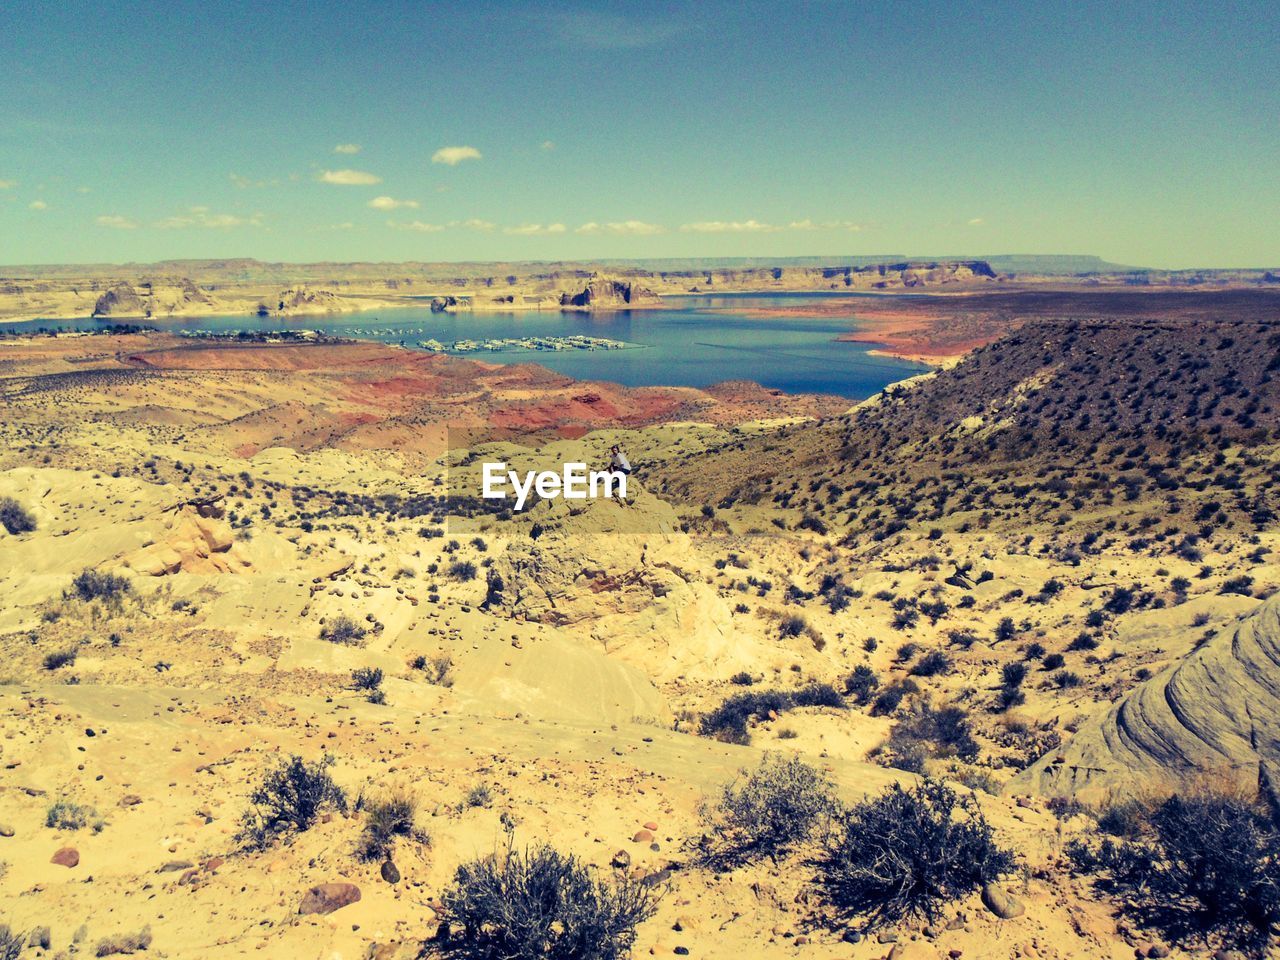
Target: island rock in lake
(601, 293)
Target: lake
(693, 341)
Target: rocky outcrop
(609, 294)
(304, 300)
(196, 540)
(629, 576)
(1217, 713)
(120, 301)
(911, 275)
(189, 294)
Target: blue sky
(1146, 133)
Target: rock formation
(628, 575)
(1216, 714)
(120, 301)
(197, 540)
(602, 293)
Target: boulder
(1002, 903)
(328, 897)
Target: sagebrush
(908, 852)
(541, 903)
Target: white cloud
(976, 222)
(391, 203)
(728, 226)
(416, 225)
(452, 156)
(535, 229)
(808, 224)
(484, 226)
(349, 178)
(347, 148)
(547, 145)
(37, 205)
(245, 183)
(597, 30)
(116, 222)
(635, 228)
(8, 184)
(202, 217)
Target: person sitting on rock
(618, 462)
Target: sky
(1145, 133)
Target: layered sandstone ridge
(1216, 714)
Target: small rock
(66, 857)
(1158, 951)
(174, 865)
(681, 951)
(328, 897)
(886, 936)
(657, 877)
(651, 825)
(40, 937)
(642, 836)
(621, 860)
(932, 931)
(6, 830)
(1004, 905)
(390, 872)
(852, 936)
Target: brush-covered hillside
(1051, 525)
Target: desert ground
(1041, 576)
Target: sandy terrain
(565, 660)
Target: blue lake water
(690, 341)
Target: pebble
(66, 857)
